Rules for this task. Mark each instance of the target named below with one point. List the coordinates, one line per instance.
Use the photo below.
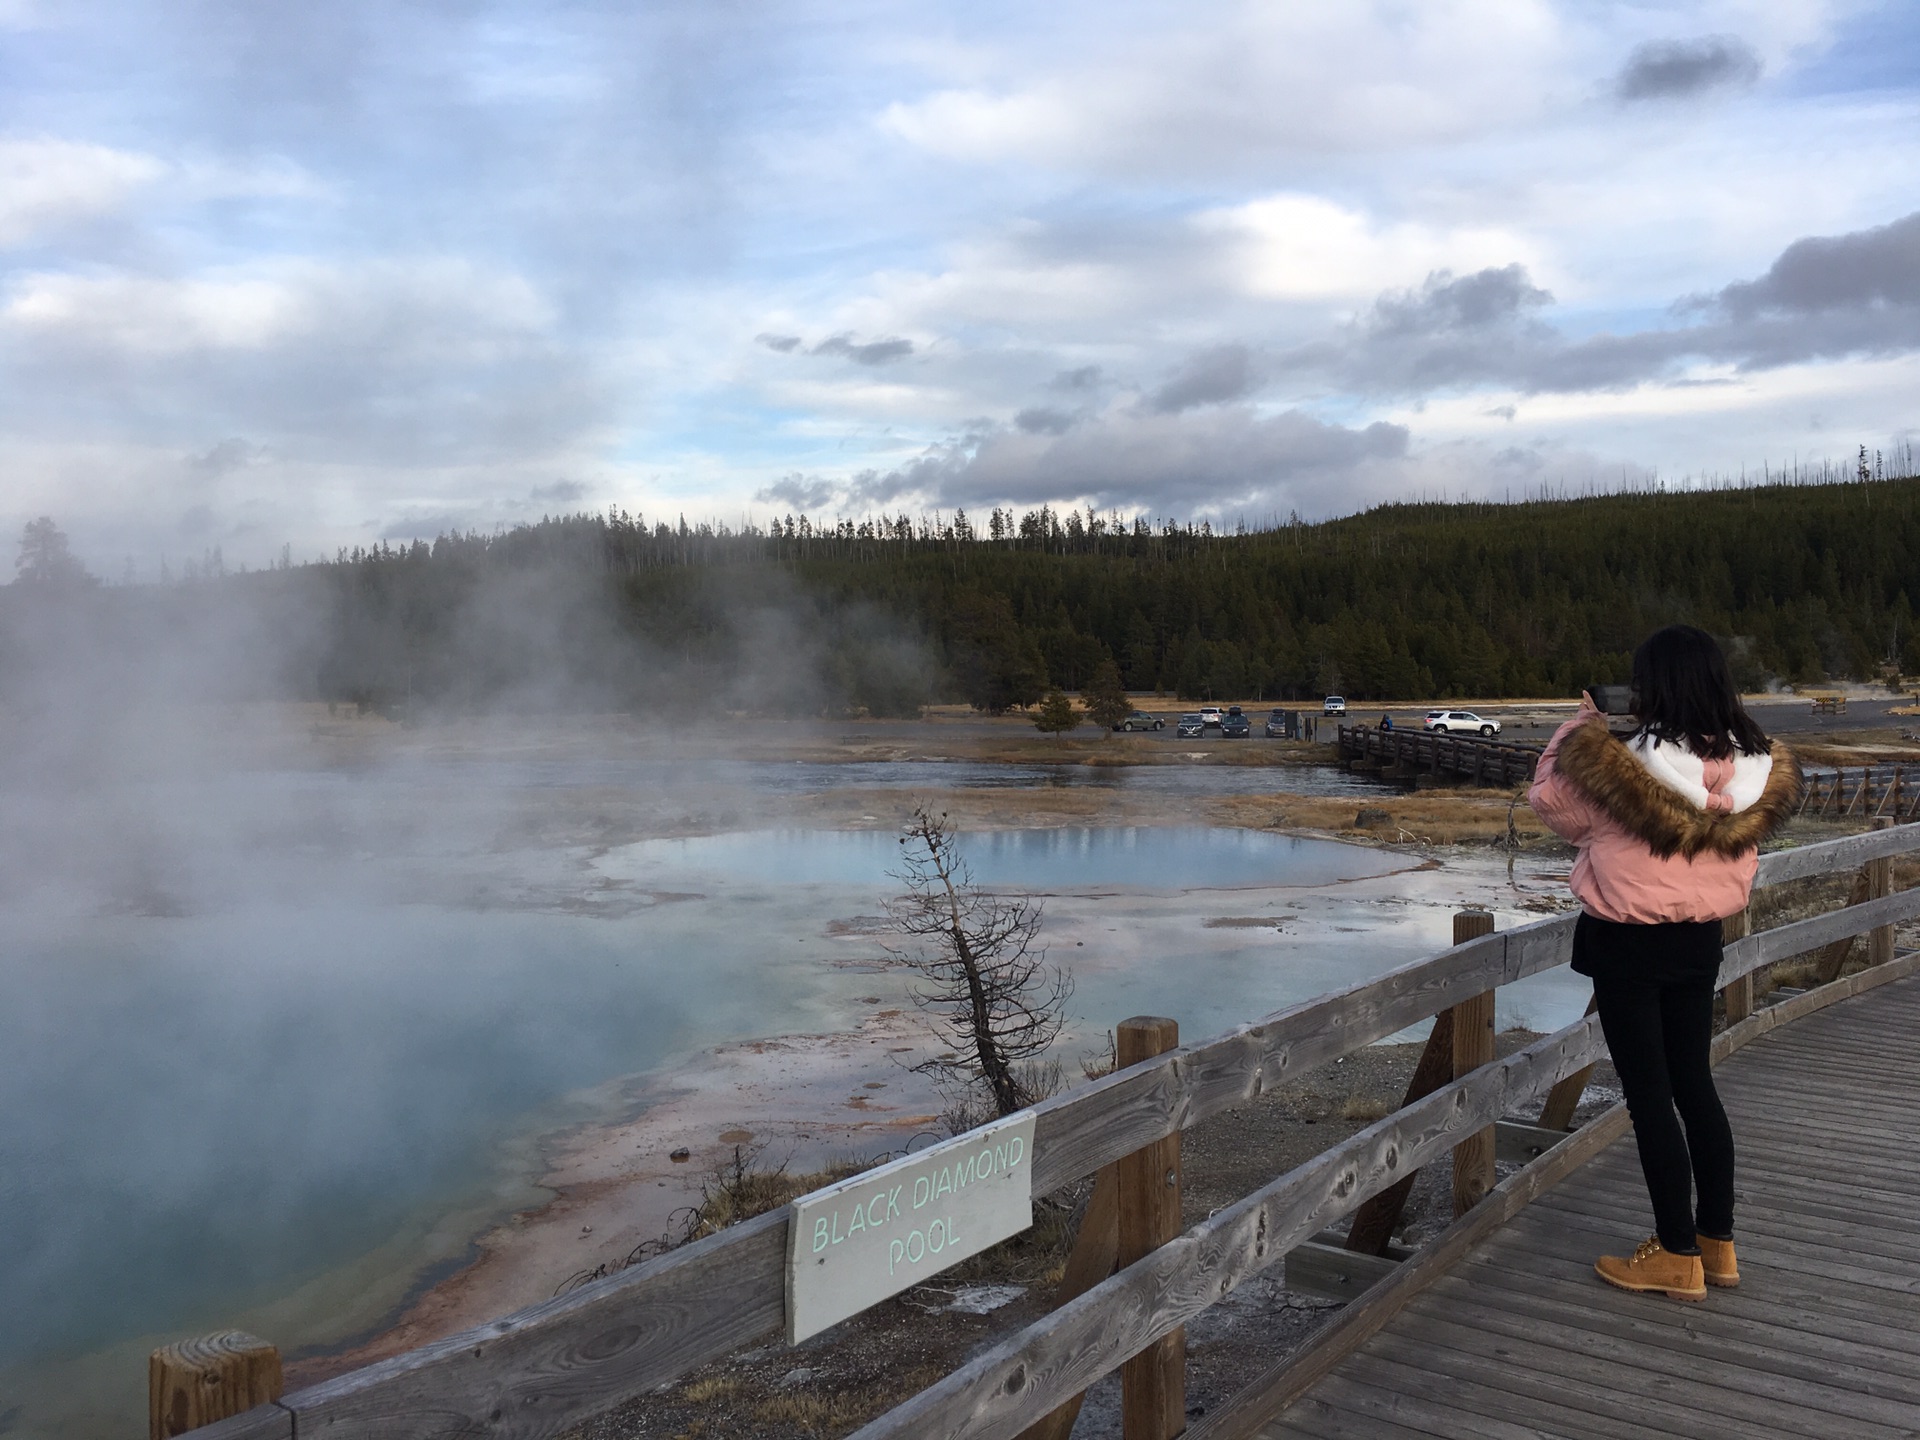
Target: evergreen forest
(1803, 583)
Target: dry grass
(1365, 1109)
(1448, 817)
(1864, 747)
(711, 1390)
(742, 1188)
(835, 1412)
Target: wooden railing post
(1738, 995)
(1472, 1047)
(1091, 1261)
(1153, 1384)
(1564, 1098)
(1833, 958)
(1373, 1223)
(1879, 886)
(196, 1382)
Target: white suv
(1334, 705)
(1445, 722)
(1210, 717)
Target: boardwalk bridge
(1496, 1327)
(1414, 757)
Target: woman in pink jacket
(1668, 820)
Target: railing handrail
(540, 1368)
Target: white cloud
(425, 261)
(1305, 247)
(462, 311)
(139, 314)
(46, 184)
(1253, 83)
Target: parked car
(1278, 726)
(1334, 705)
(1140, 720)
(1447, 722)
(1191, 727)
(1210, 715)
(1235, 726)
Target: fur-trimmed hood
(1638, 790)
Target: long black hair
(1684, 693)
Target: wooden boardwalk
(1413, 757)
(1822, 1339)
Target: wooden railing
(539, 1370)
(1890, 790)
(1406, 755)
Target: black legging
(1653, 986)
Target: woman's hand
(1588, 710)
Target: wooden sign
(852, 1245)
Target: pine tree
(1106, 699)
(1056, 714)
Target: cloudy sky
(313, 275)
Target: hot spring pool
(207, 1112)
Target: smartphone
(1612, 699)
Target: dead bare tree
(988, 988)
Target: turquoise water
(205, 1109)
(204, 1106)
(1151, 857)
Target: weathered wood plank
(1802, 1321)
(1243, 1414)
(538, 1370)
(1241, 1418)
(1518, 1144)
(1473, 1046)
(1766, 1021)
(1153, 1384)
(1766, 1231)
(1326, 1422)
(220, 1376)
(1094, 1125)
(1828, 857)
(1451, 1378)
(1373, 1223)
(1617, 1234)
(1382, 1400)
(1604, 1412)
(1667, 1374)
(1333, 1272)
(1880, 884)
(1774, 1379)
(1095, 1249)
(1785, 941)
(1010, 1384)
(263, 1422)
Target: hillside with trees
(1803, 583)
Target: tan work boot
(1653, 1267)
(1717, 1262)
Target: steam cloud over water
(277, 991)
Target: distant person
(1668, 820)
(1386, 722)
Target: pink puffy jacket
(1662, 833)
